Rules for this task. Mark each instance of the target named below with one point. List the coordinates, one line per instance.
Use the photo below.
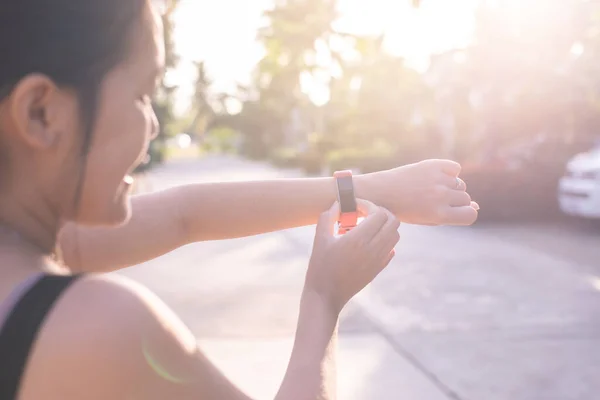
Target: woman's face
(45, 176)
(124, 126)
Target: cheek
(119, 139)
(122, 125)
(131, 133)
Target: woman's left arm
(422, 193)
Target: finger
(454, 183)
(462, 216)
(459, 199)
(327, 220)
(475, 205)
(365, 207)
(387, 245)
(390, 256)
(387, 238)
(371, 225)
(450, 167)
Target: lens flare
(158, 368)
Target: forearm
(163, 221)
(237, 209)
(311, 373)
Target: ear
(35, 109)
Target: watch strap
(349, 219)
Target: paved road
(487, 312)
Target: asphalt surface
(485, 312)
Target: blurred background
(506, 309)
(508, 88)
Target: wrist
(375, 187)
(365, 188)
(361, 183)
(318, 304)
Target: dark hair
(73, 42)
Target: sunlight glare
(595, 281)
(210, 31)
(577, 49)
(415, 34)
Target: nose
(155, 128)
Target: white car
(579, 189)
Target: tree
(375, 113)
(164, 97)
(203, 113)
(289, 38)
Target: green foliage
(286, 158)
(289, 38)
(203, 113)
(277, 114)
(350, 158)
(163, 100)
(222, 140)
(312, 162)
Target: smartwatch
(348, 208)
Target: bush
(343, 159)
(286, 158)
(254, 149)
(157, 152)
(311, 163)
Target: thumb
(327, 220)
(365, 207)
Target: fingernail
(475, 205)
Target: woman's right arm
(110, 338)
(311, 373)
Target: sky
(222, 33)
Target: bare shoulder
(105, 336)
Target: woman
(75, 119)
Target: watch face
(347, 202)
(345, 184)
(346, 194)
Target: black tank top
(21, 327)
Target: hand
(342, 266)
(426, 193)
